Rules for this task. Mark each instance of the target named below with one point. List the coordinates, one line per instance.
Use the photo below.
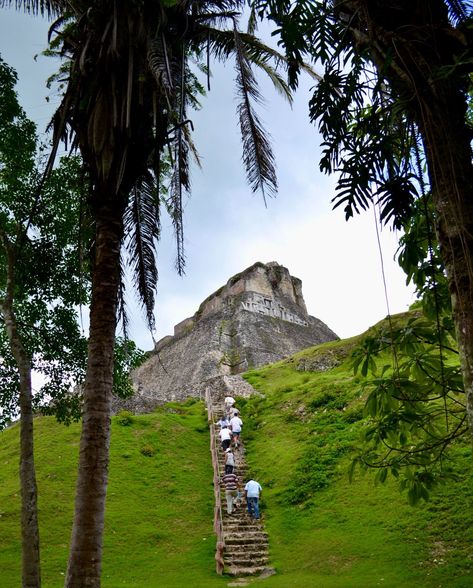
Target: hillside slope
(159, 513)
(324, 532)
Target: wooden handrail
(218, 525)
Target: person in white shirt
(225, 437)
(229, 461)
(236, 424)
(252, 493)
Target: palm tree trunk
(85, 559)
(31, 571)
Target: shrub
(321, 400)
(354, 414)
(148, 450)
(283, 389)
(125, 418)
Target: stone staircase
(246, 542)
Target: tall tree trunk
(85, 559)
(416, 48)
(31, 571)
(449, 158)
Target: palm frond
(142, 227)
(159, 66)
(257, 153)
(122, 310)
(459, 10)
(181, 145)
(222, 46)
(175, 210)
(50, 8)
(219, 18)
(278, 81)
(252, 21)
(191, 147)
(180, 182)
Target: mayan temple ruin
(257, 318)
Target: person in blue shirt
(252, 492)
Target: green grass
(159, 530)
(324, 532)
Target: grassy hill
(159, 528)
(324, 531)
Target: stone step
(244, 571)
(240, 514)
(233, 523)
(238, 552)
(246, 551)
(257, 541)
(246, 548)
(221, 455)
(239, 541)
(234, 529)
(242, 532)
(245, 562)
(245, 535)
(243, 539)
(236, 521)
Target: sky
(227, 227)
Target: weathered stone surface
(258, 317)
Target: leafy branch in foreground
(414, 405)
(415, 401)
(393, 110)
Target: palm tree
(128, 88)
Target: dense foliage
(391, 107)
(41, 275)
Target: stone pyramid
(257, 318)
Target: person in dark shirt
(232, 486)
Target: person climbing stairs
(242, 540)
